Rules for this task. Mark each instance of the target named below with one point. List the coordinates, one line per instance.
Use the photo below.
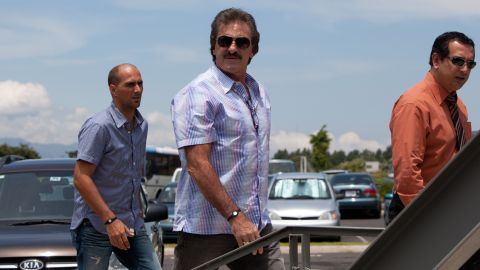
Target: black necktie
(452, 107)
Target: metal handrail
(305, 233)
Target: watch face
(235, 213)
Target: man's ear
(435, 60)
(112, 90)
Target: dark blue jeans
(94, 250)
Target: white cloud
(160, 130)
(21, 98)
(28, 36)
(288, 140)
(27, 113)
(47, 126)
(352, 141)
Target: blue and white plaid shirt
(119, 155)
(215, 109)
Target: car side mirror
(156, 212)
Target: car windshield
(168, 194)
(349, 179)
(36, 195)
(281, 166)
(311, 188)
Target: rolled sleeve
(91, 141)
(409, 131)
(193, 117)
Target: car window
(36, 195)
(348, 179)
(168, 194)
(281, 166)
(299, 188)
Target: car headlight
(274, 216)
(330, 215)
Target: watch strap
(234, 214)
(110, 220)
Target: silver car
(302, 199)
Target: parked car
(36, 205)
(333, 172)
(387, 198)
(167, 198)
(176, 175)
(357, 192)
(281, 165)
(276, 166)
(302, 199)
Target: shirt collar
(120, 119)
(227, 82)
(438, 92)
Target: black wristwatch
(110, 221)
(234, 214)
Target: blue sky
(336, 63)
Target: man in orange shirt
(429, 124)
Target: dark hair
(230, 15)
(440, 46)
(113, 74)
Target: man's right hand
(117, 233)
(245, 231)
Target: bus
(160, 164)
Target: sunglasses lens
(242, 42)
(458, 61)
(471, 64)
(224, 41)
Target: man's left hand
(245, 231)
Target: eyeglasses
(240, 42)
(460, 62)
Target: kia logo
(31, 264)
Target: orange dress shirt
(423, 136)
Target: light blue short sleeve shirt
(215, 109)
(119, 155)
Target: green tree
(337, 157)
(320, 143)
(379, 155)
(281, 154)
(354, 154)
(367, 155)
(23, 150)
(387, 154)
(356, 165)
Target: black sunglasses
(460, 62)
(240, 42)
